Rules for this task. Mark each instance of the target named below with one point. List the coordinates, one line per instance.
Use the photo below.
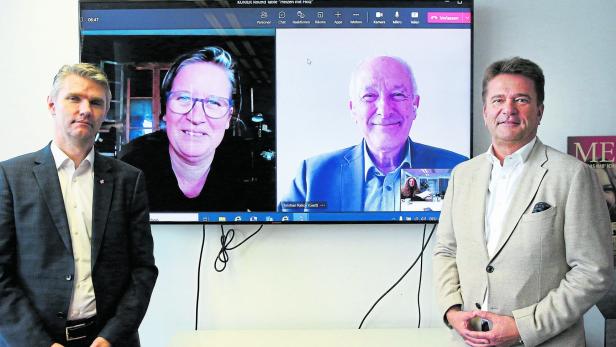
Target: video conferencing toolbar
(98, 21)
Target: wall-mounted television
(286, 111)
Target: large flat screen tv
(286, 111)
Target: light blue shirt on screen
(382, 191)
(335, 181)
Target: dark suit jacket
(36, 261)
(337, 178)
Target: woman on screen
(184, 167)
(411, 190)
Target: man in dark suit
(366, 177)
(76, 251)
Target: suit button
(69, 277)
(490, 269)
(60, 315)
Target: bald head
(381, 63)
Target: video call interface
(286, 111)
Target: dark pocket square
(541, 206)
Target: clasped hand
(503, 332)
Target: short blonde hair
(85, 70)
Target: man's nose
(85, 108)
(510, 107)
(384, 106)
(197, 114)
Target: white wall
(574, 44)
(290, 277)
(37, 38)
(319, 276)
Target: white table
(425, 337)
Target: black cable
(199, 278)
(225, 242)
(423, 247)
(423, 241)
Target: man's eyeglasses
(213, 106)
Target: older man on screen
(524, 242)
(366, 177)
(76, 252)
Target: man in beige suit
(524, 242)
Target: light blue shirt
(382, 191)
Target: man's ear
(416, 102)
(352, 111)
(51, 105)
(540, 113)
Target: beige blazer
(550, 267)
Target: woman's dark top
(225, 188)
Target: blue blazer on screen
(337, 178)
(36, 258)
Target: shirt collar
(369, 164)
(60, 158)
(521, 155)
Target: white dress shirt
(77, 191)
(503, 183)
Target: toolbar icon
(281, 15)
(379, 14)
(320, 14)
(301, 14)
